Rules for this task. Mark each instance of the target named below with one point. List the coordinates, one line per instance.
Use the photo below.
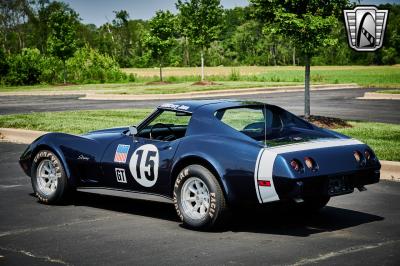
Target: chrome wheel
(47, 177)
(195, 198)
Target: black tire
(62, 188)
(314, 204)
(217, 212)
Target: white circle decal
(144, 165)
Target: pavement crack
(30, 230)
(342, 252)
(30, 254)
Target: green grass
(142, 88)
(383, 138)
(368, 76)
(75, 122)
(188, 87)
(389, 91)
(234, 78)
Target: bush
(235, 75)
(89, 66)
(86, 66)
(389, 56)
(52, 70)
(24, 68)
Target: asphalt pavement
(356, 229)
(337, 103)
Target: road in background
(355, 229)
(336, 103)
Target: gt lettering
(120, 174)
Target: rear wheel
(48, 177)
(198, 198)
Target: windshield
(269, 124)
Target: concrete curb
(22, 136)
(379, 96)
(214, 93)
(390, 170)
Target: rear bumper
(288, 188)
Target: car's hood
(108, 130)
(106, 135)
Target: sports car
(206, 157)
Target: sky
(99, 12)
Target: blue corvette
(205, 156)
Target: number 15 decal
(144, 165)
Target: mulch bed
(159, 83)
(64, 85)
(328, 122)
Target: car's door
(143, 162)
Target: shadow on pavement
(158, 210)
(280, 221)
(277, 219)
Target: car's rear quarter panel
(232, 159)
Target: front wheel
(48, 177)
(198, 198)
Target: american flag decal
(121, 153)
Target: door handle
(165, 147)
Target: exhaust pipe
(361, 188)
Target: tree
(160, 38)
(13, 14)
(122, 34)
(3, 64)
(62, 42)
(201, 22)
(307, 23)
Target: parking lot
(356, 229)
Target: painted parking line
(342, 252)
(44, 228)
(9, 186)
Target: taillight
(310, 163)
(296, 165)
(357, 156)
(360, 159)
(367, 155)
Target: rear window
(262, 123)
(243, 118)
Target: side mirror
(133, 130)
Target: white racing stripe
(265, 167)
(312, 145)
(256, 174)
(266, 159)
